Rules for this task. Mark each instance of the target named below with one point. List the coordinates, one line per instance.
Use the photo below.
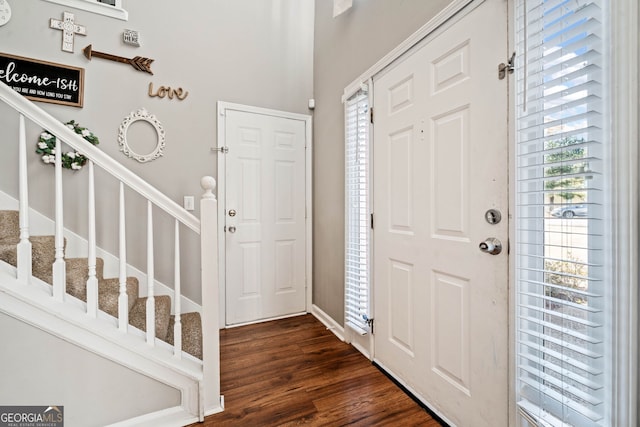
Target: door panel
(265, 238)
(440, 162)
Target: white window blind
(357, 230)
(562, 299)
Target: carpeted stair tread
(8, 251)
(9, 225)
(109, 292)
(43, 254)
(77, 270)
(191, 333)
(138, 315)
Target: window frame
(94, 6)
(623, 213)
(358, 326)
(562, 309)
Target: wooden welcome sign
(43, 81)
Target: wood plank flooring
(294, 372)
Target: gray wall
(255, 52)
(344, 48)
(56, 379)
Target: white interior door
(440, 162)
(265, 236)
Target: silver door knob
(232, 212)
(232, 229)
(491, 246)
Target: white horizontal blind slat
(357, 212)
(560, 233)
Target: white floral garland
(70, 160)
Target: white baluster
(24, 247)
(59, 268)
(151, 307)
(210, 307)
(177, 327)
(123, 298)
(92, 281)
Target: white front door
(264, 200)
(440, 163)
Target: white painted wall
(254, 52)
(58, 370)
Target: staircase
(126, 320)
(77, 274)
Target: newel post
(210, 396)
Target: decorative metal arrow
(139, 63)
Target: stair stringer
(34, 305)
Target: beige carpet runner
(108, 289)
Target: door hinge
(371, 220)
(223, 150)
(369, 322)
(509, 67)
(371, 115)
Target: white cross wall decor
(69, 30)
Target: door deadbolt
(493, 216)
(232, 212)
(491, 246)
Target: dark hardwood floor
(295, 372)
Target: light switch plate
(189, 203)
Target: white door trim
(428, 29)
(222, 108)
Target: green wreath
(70, 160)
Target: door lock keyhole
(491, 246)
(493, 216)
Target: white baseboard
(328, 321)
(39, 224)
(170, 417)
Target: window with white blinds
(561, 276)
(113, 10)
(357, 230)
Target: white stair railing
(177, 326)
(23, 254)
(209, 390)
(123, 297)
(59, 265)
(151, 306)
(92, 280)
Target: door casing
(222, 107)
